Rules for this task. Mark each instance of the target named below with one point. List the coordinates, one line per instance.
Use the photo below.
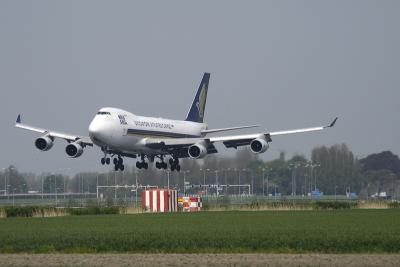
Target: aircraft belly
(131, 144)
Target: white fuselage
(118, 130)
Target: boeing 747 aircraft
(120, 134)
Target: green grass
(344, 231)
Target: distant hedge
(38, 211)
(334, 205)
(93, 210)
(21, 211)
(394, 205)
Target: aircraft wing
(243, 140)
(229, 141)
(69, 137)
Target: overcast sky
(279, 64)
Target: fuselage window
(103, 113)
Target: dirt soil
(199, 260)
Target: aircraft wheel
(164, 165)
(116, 167)
(157, 165)
(178, 168)
(122, 167)
(108, 161)
(103, 161)
(172, 168)
(171, 161)
(120, 161)
(115, 161)
(145, 165)
(138, 165)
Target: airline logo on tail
(201, 103)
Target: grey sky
(280, 64)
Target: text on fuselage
(154, 124)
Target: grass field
(347, 231)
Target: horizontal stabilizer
(227, 129)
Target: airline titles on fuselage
(154, 124)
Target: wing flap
(228, 129)
(179, 146)
(170, 142)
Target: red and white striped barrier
(160, 200)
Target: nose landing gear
(105, 160)
(118, 161)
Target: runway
(350, 260)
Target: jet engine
(44, 143)
(197, 151)
(259, 145)
(74, 150)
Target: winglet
(333, 122)
(18, 118)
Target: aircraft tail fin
(196, 112)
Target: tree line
(332, 170)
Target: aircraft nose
(95, 129)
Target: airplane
(120, 134)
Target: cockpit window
(103, 113)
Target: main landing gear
(161, 164)
(118, 164)
(142, 164)
(174, 163)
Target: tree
(385, 160)
(15, 180)
(337, 168)
(51, 181)
(377, 181)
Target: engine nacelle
(259, 145)
(44, 143)
(74, 150)
(197, 151)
